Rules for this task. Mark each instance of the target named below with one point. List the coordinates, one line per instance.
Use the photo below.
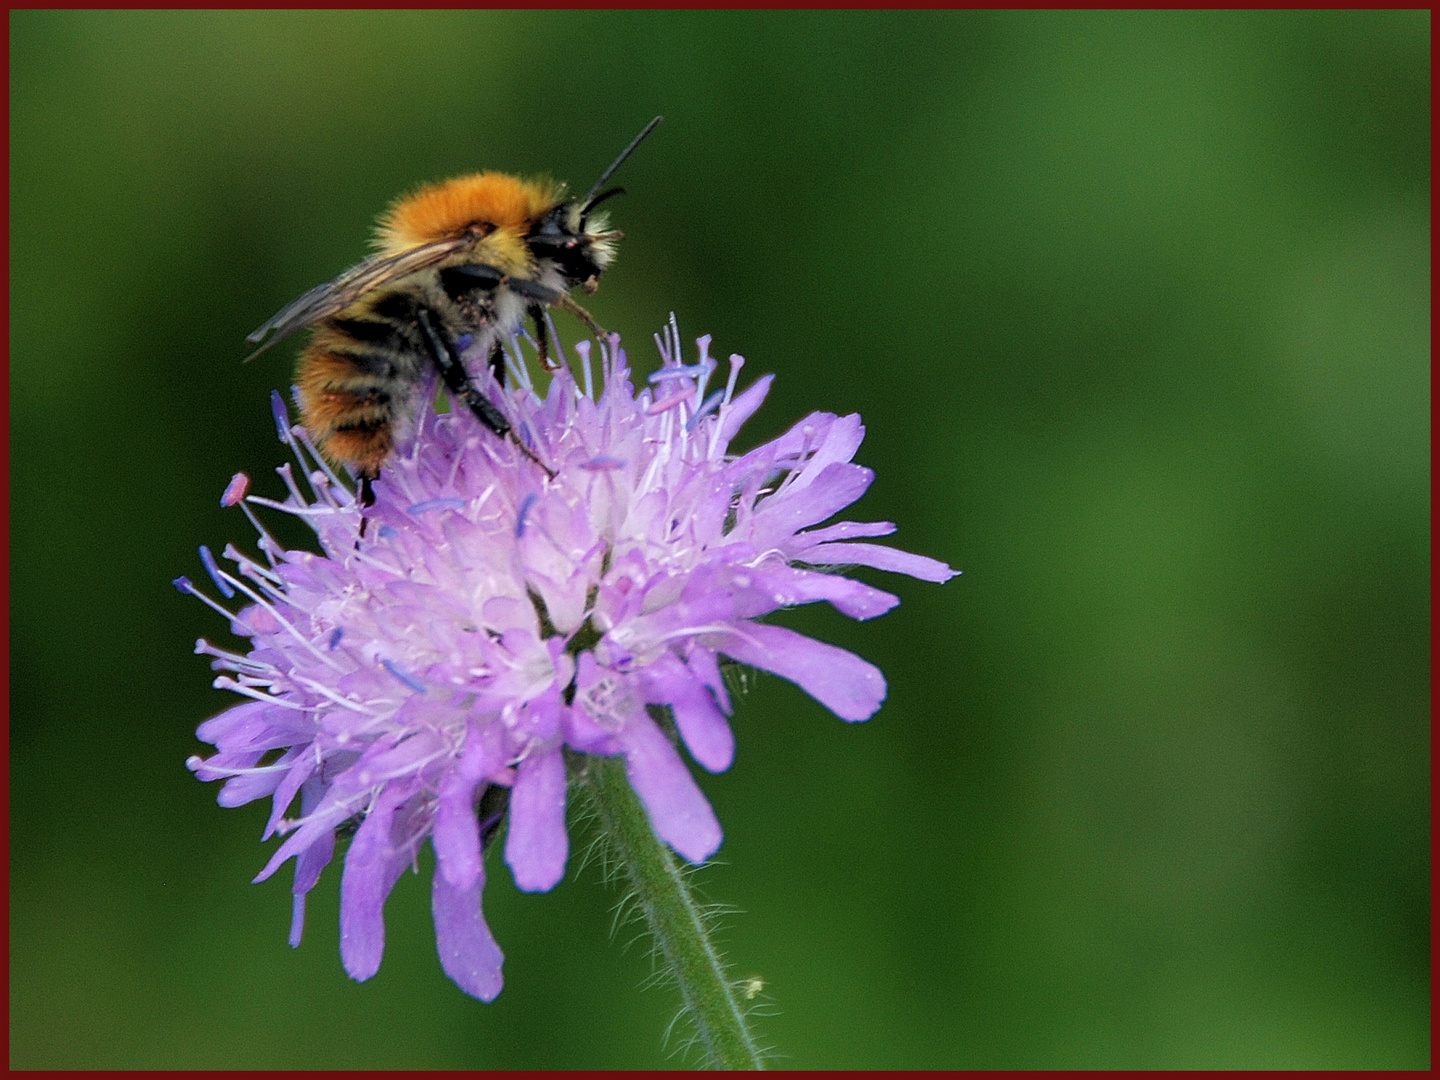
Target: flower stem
(672, 915)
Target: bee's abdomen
(359, 376)
(347, 404)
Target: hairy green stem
(672, 915)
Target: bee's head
(574, 237)
(579, 242)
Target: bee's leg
(447, 362)
(533, 290)
(367, 500)
(581, 314)
(496, 361)
(542, 337)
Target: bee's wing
(325, 300)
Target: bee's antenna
(590, 195)
(609, 193)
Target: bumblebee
(460, 265)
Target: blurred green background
(1136, 309)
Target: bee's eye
(550, 232)
(548, 228)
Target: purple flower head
(422, 675)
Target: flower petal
(301, 765)
(678, 810)
(310, 862)
(297, 919)
(235, 725)
(839, 441)
(457, 832)
(880, 557)
(584, 734)
(849, 687)
(536, 846)
(787, 586)
(781, 516)
(706, 668)
(372, 866)
(468, 951)
(308, 866)
(248, 787)
(702, 725)
(316, 825)
(845, 530)
(742, 407)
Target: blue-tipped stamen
(400, 674)
(523, 513)
(689, 371)
(435, 504)
(282, 416)
(706, 407)
(216, 574)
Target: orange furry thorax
(450, 207)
